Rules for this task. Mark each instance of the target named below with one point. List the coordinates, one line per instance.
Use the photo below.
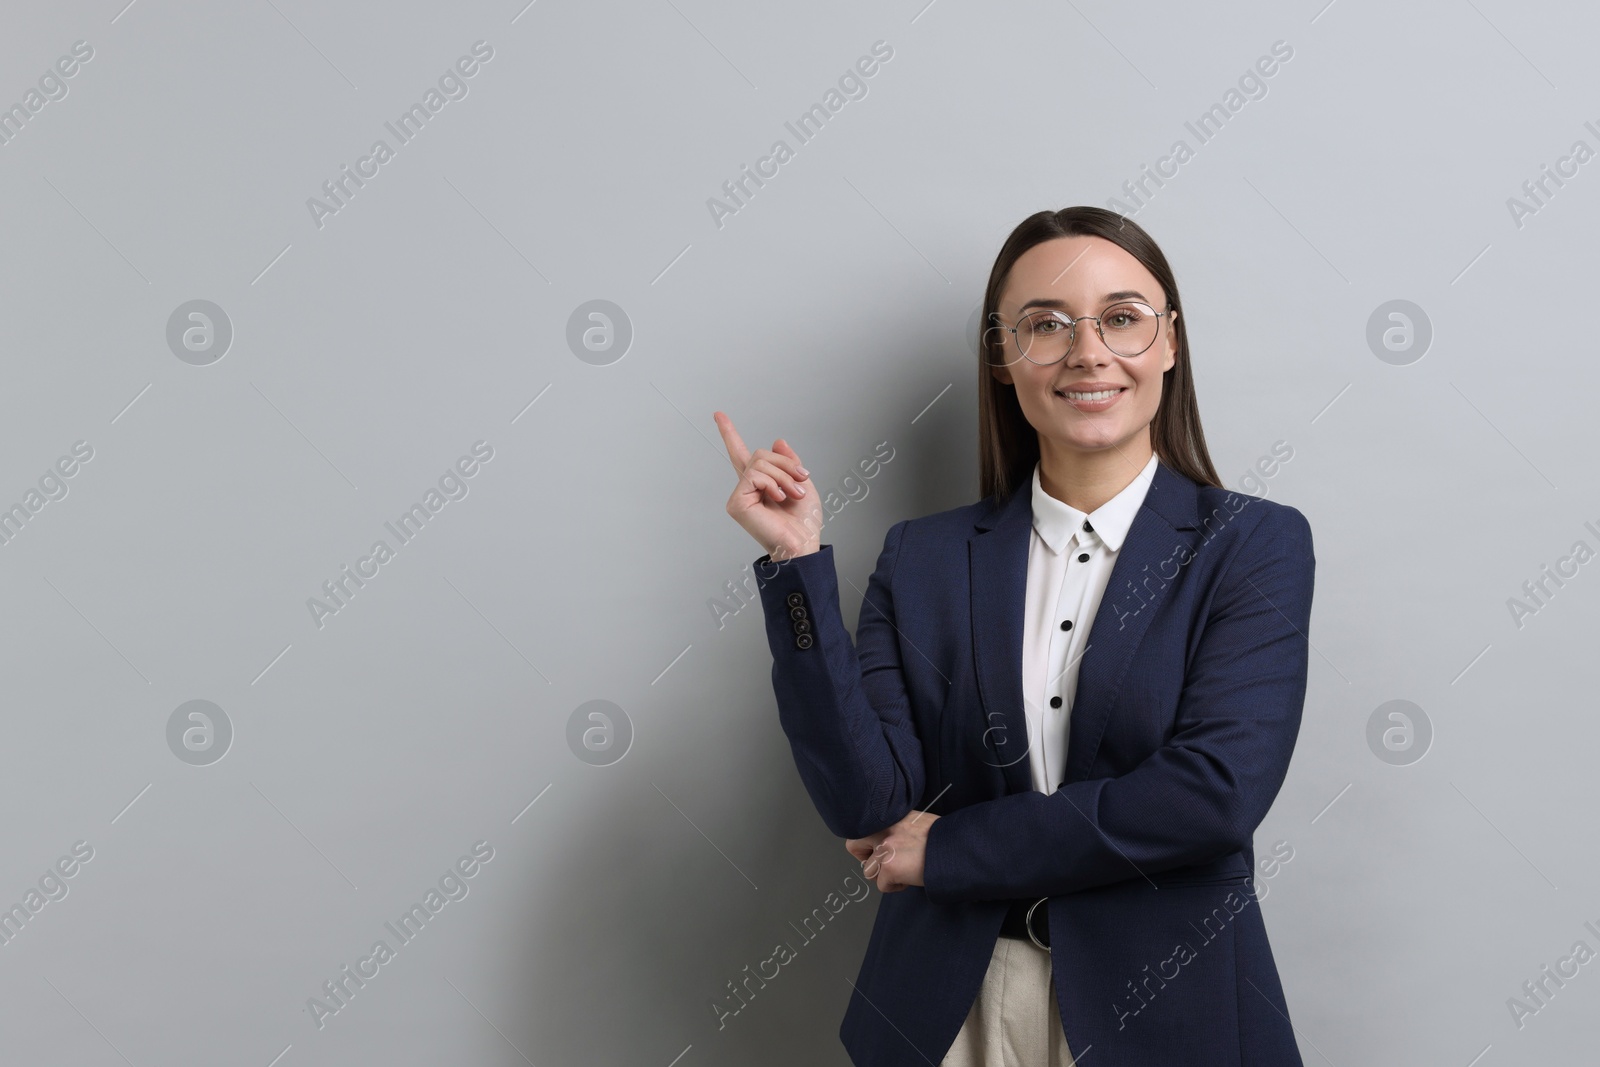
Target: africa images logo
(453, 885)
(452, 86)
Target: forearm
(1165, 814)
(842, 705)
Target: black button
(1086, 526)
(802, 626)
(797, 613)
(1066, 624)
(803, 640)
(1055, 702)
(1084, 558)
(796, 599)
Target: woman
(1068, 705)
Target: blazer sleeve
(1197, 798)
(843, 706)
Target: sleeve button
(803, 641)
(796, 599)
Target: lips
(1101, 403)
(1102, 389)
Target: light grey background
(834, 309)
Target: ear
(992, 334)
(1172, 343)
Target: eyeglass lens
(1045, 335)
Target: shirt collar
(1056, 521)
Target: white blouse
(1070, 556)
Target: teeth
(1102, 395)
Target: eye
(1043, 324)
(1123, 318)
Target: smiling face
(1082, 276)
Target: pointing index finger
(738, 454)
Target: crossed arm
(1198, 797)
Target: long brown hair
(1008, 446)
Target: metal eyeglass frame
(1072, 324)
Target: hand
(774, 500)
(893, 857)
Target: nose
(1088, 348)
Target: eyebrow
(1052, 302)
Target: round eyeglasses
(1044, 336)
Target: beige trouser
(1015, 1022)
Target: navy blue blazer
(1187, 707)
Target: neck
(1086, 480)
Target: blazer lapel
(1137, 589)
(998, 558)
(998, 555)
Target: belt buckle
(1027, 921)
